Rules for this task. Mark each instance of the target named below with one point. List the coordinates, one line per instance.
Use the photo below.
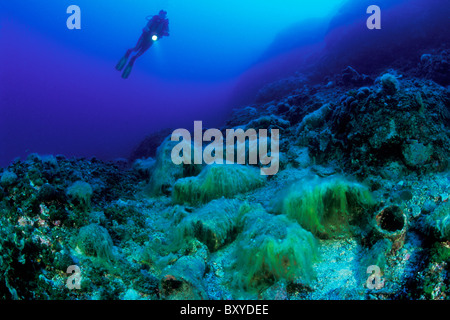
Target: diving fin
(127, 71)
(121, 63)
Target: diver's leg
(122, 62)
(129, 67)
(124, 59)
(145, 46)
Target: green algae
(325, 206)
(272, 248)
(215, 181)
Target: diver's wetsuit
(157, 26)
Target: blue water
(60, 93)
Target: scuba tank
(156, 25)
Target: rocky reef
(358, 210)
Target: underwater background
(81, 106)
(64, 97)
(358, 209)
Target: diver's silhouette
(156, 28)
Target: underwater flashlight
(154, 37)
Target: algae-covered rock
(350, 76)
(389, 83)
(215, 181)
(215, 224)
(416, 154)
(183, 279)
(93, 240)
(8, 178)
(144, 166)
(382, 128)
(147, 148)
(299, 157)
(48, 193)
(268, 122)
(437, 224)
(315, 119)
(278, 89)
(436, 67)
(80, 193)
(325, 206)
(272, 248)
(166, 172)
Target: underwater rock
(242, 116)
(282, 107)
(328, 207)
(389, 83)
(93, 240)
(8, 178)
(183, 280)
(312, 132)
(436, 67)
(437, 223)
(165, 172)
(62, 260)
(268, 122)
(272, 248)
(215, 181)
(278, 291)
(416, 154)
(278, 89)
(147, 147)
(39, 224)
(350, 76)
(393, 170)
(48, 193)
(363, 92)
(144, 166)
(384, 129)
(405, 195)
(146, 283)
(80, 194)
(20, 258)
(314, 119)
(302, 104)
(121, 163)
(299, 157)
(215, 224)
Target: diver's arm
(147, 26)
(150, 24)
(166, 28)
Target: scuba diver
(156, 28)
